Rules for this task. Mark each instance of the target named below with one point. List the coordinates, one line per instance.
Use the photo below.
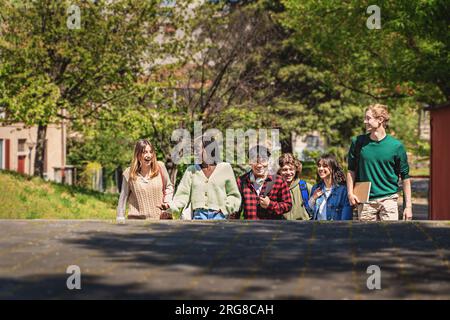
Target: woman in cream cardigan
(210, 188)
(145, 185)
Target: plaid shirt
(280, 199)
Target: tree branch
(394, 95)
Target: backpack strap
(305, 195)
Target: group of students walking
(210, 190)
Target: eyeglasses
(263, 162)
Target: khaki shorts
(384, 209)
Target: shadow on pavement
(413, 258)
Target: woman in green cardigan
(210, 188)
(290, 170)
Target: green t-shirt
(380, 162)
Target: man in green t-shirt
(381, 159)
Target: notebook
(362, 191)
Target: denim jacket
(338, 206)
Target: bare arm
(407, 211)
(350, 184)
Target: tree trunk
(118, 175)
(171, 168)
(40, 151)
(286, 144)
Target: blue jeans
(208, 214)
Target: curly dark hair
(337, 174)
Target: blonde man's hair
(380, 111)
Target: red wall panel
(440, 164)
(7, 154)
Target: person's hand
(232, 216)
(353, 199)
(165, 216)
(317, 193)
(264, 202)
(120, 220)
(164, 206)
(407, 213)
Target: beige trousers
(384, 209)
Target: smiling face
(323, 170)
(206, 151)
(146, 156)
(288, 172)
(371, 122)
(260, 167)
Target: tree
(272, 82)
(243, 70)
(407, 56)
(52, 70)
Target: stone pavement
(224, 260)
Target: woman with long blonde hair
(146, 185)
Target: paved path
(224, 260)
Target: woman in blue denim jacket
(329, 199)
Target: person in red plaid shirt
(264, 196)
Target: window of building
(312, 141)
(21, 147)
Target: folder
(362, 191)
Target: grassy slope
(24, 198)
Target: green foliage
(296, 66)
(35, 102)
(408, 56)
(50, 72)
(309, 170)
(423, 148)
(89, 174)
(404, 123)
